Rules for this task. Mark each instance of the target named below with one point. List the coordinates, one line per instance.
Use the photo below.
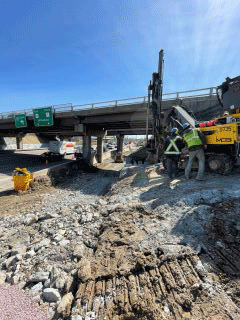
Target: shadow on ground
(9, 160)
(82, 177)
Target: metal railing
(68, 107)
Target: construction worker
(174, 145)
(196, 143)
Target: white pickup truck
(62, 147)
(57, 150)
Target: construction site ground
(138, 246)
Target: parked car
(51, 156)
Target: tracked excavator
(222, 133)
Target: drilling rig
(222, 133)
(155, 91)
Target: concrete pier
(99, 155)
(119, 157)
(87, 140)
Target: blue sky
(78, 51)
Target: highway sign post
(20, 120)
(43, 117)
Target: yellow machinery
(22, 179)
(222, 144)
(222, 133)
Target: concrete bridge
(121, 117)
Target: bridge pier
(19, 141)
(99, 149)
(2, 143)
(119, 157)
(87, 141)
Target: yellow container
(22, 182)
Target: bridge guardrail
(68, 107)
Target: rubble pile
(147, 249)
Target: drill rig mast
(155, 91)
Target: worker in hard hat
(174, 145)
(196, 143)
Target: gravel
(15, 304)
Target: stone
(46, 215)
(15, 279)
(65, 211)
(78, 231)
(40, 277)
(19, 250)
(21, 284)
(101, 202)
(68, 283)
(104, 212)
(16, 268)
(86, 217)
(62, 232)
(51, 295)
(44, 243)
(30, 254)
(65, 304)
(11, 261)
(2, 277)
(60, 282)
(96, 214)
(79, 251)
(58, 237)
(51, 313)
(76, 317)
(9, 276)
(84, 270)
(90, 315)
(30, 219)
(37, 288)
(47, 283)
(64, 242)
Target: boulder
(51, 295)
(40, 277)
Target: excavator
(222, 132)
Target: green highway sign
(43, 117)
(20, 120)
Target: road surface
(30, 159)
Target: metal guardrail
(211, 92)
